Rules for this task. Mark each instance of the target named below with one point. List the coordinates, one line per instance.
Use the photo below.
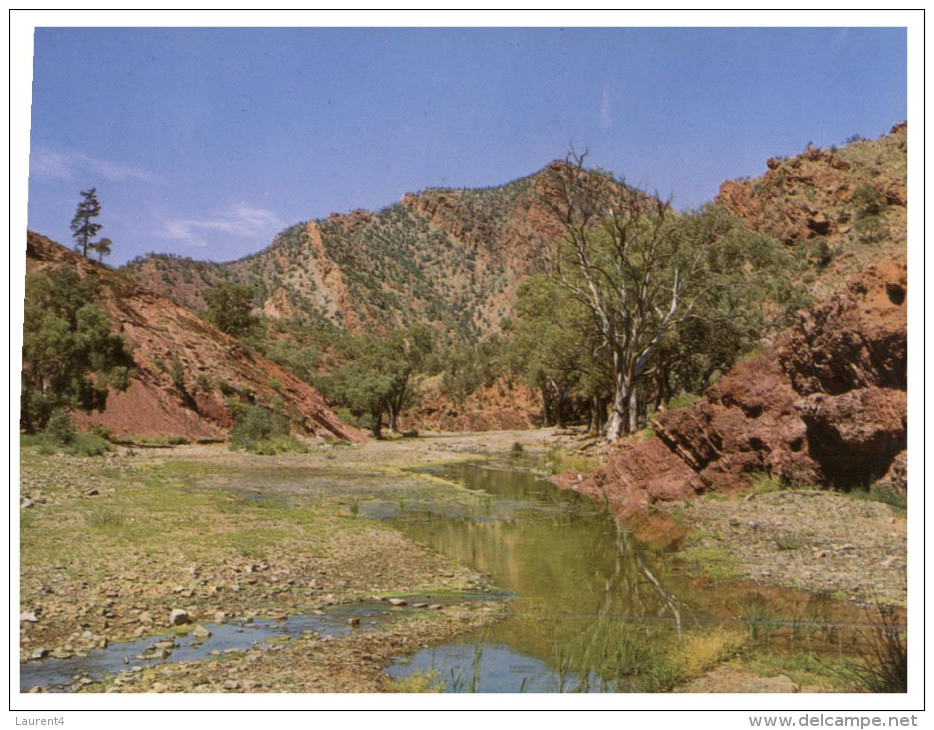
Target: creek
(588, 608)
(577, 582)
(58, 675)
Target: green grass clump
(88, 444)
(788, 541)
(713, 561)
(62, 437)
(419, 682)
(884, 663)
(683, 400)
(763, 483)
(559, 459)
(886, 494)
(279, 444)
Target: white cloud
(55, 166)
(606, 121)
(241, 220)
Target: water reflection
(587, 595)
(593, 609)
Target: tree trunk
(392, 420)
(377, 427)
(561, 400)
(618, 421)
(547, 411)
(633, 409)
(597, 415)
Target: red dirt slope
(210, 366)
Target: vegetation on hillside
(230, 308)
(634, 306)
(70, 355)
(380, 378)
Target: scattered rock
(29, 617)
(398, 602)
(179, 617)
(199, 632)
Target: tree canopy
(70, 356)
(230, 308)
(656, 286)
(379, 379)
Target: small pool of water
(592, 609)
(489, 668)
(60, 674)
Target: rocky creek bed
(823, 542)
(111, 547)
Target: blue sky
(207, 142)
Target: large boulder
(856, 435)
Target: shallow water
(592, 609)
(572, 572)
(60, 674)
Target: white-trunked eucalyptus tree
(642, 270)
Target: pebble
(398, 602)
(29, 617)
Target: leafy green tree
(230, 308)
(103, 248)
(70, 356)
(254, 424)
(298, 359)
(467, 368)
(83, 226)
(548, 348)
(379, 380)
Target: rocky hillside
(185, 370)
(456, 257)
(844, 207)
(451, 257)
(826, 405)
